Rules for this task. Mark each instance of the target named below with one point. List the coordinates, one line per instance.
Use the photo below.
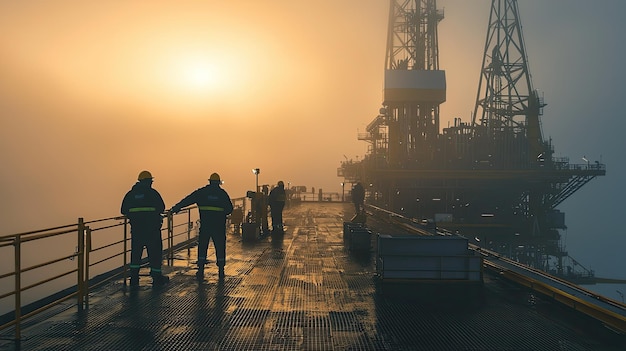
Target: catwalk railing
(71, 259)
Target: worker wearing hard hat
(143, 206)
(214, 205)
(277, 204)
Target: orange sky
(93, 92)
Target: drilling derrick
(506, 126)
(403, 137)
(414, 86)
(508, 106)
(494, 179)
(507, 135)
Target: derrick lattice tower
(495, 179)
(507, 107)
(414, 86)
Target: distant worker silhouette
(277, 204)
(358, 197)
(143, 207)
(214, 205)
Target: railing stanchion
(85, 254)
(125, 267)
(86, 277)
(170, 238)
(81, 261)
(18, 286)
(189, 226)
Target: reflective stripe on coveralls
(142, 209)
(211, 208)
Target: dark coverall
(143, 206)
(214, 205)
(277, 203)
(358, 197)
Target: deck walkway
(306, 292)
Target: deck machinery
(494, 180)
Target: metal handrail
(86, 231)
(83, 255)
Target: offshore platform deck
(306, 291)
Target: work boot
(221, 273)
(134, 278)
(160, 280)
(134, 283)
(200, 274)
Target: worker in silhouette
(143, 207)
(358, 197)
(214, 205)
(276, 201)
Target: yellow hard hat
(215, 177)
(144, 175)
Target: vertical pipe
(125, 272)
(81, 261)
(86, 277)
(189, 226)
(171, 236)
(170, 239)
(18, 286)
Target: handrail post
(189, 226)
(18, 286)
(86, 277)
(170, 238)
(81, 261)
(125, 269)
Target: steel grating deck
(306, 292)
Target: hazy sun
(199, 75)
(190, 76)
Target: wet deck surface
(307, 292)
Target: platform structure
(306, 291)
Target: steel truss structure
(494, 179)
